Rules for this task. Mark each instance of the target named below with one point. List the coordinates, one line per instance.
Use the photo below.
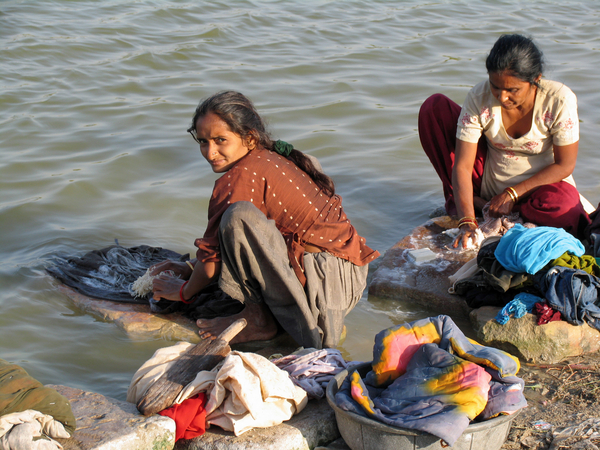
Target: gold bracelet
(468, 220)
(512, 193)
(190, 264)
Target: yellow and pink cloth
(427, 375)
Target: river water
(95, 99)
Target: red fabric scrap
(546, 314)
(189, 417)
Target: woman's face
(219, 145)
(512, 92)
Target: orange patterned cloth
(427, 375)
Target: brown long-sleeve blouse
(287, 195)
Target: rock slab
(104, 423)
(136, 320)
(426, 284)
(523, 337)
(312, 427)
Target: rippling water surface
(95, 98)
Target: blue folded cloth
(527, 250)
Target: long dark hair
(517, 55)
(240, 115)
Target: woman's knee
(560, 196)
(556, 205)
(239, 213)
(432, 103)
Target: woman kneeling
(514, 143)
(277, 237)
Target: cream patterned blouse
(510, 161)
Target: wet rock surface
(425, 283)
(134, 319)
(105, 423)
(549, 343)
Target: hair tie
(283, 148)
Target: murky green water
(95, 98)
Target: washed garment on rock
(574, 293)
(245, 391)
(522, 304)
(313, 369)
(189, 417)
(108, 273)
(528, 250)
(31, 412)
(426, 375)
(586, 263)
(485, 282)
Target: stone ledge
(425, 284)
(314, 426)
(136, 320)
(549, 343)
(104, 423)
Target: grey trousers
(256, 268)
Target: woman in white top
(513, 144)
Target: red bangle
(181, 294)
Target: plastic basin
(362, 433)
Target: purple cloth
(313, 371)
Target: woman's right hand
(467, 232)
(179, 268)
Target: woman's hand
(501, 205)
(167, 287)
(179, 268)
(467, 232)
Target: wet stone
(136, 320)
(104, 423)
(314, 426)
(523, 337)
(426, 284)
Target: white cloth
(245, 391)
(510, 161)
(30, 430)
(250, 391)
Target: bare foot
(261, 324)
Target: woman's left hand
(501, 205)
(167, 287)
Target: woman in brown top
(277, 238)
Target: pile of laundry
(110, 273)
(542, 270)
(243, 392)
(31, 415)
(427, 376)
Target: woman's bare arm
(169, 287)
(462, 186)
